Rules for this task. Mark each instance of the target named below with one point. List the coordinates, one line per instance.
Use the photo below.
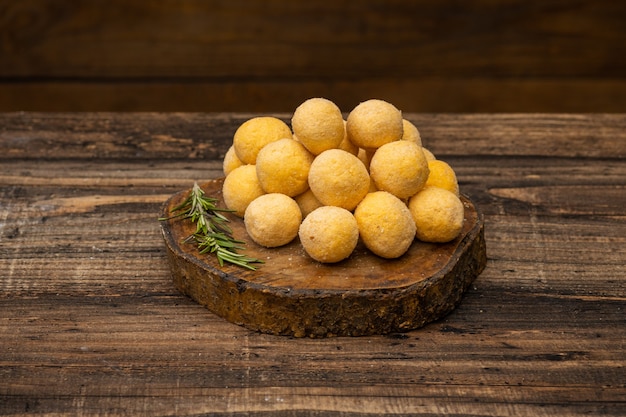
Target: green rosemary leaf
(212, 234)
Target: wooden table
(91, 323)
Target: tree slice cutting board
(291, 294)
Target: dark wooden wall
(270, 55)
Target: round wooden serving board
(291, 294)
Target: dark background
(269, 56)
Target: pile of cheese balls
(331, 182)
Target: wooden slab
(291, 294)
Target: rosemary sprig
(212, 234)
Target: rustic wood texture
(91, 323)
(268, 56)
(293, 295)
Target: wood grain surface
(212, 55)
(291, 294)
(91, 323)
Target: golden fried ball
(240, 187)
(272, 220)
(365, 156)
(410, 132)
(283, 167)
(372, 186)
(318, 125)
(438, 215)
(373, 123)
(329, 234)
(231, 161)
(428, 154)
(346, 144)
(400, 168)
(338, 178)
(443, 176)
(253, 134)
(307, 202)
(385, 224)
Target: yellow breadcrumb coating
(443, 176)
(318, 125)
(373, 123)
(365, 156)
(283, 167)
(372, 186)
(231, 161)
(272, 220)
(240, 187)
(385, 224)
(346, 144)
(400, 168)
(329, 234)
(307, 202)
(410, 132)
(338, 178)
(428, 154)
(253, 134)
(438, 215)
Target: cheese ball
(428, 154)
(438, 215)
(385, 224)
(372, 186)
(365, 156)
(338, 178)
(283, 167)
(307, 202)
(442, 175)
(374, 123)
(410, 132)
(240, 187)
(329, 234)
(318, 124)
(231, 161)
(400, 168)
(272, 220)
(253, 134)
(346, 144)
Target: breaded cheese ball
(318, 124)
(253, 134)
(410, 132)
(385, 224)
(365, 156)
(338, 178)
(428, 154)
(240, 187)
(329, 234)
(307, 202)
(400, 168)
(372, 186)
(231, 161)
(443, 176)
(373, 123)
(283, 167)
(438, 215)
(346, 144)
(272, 220)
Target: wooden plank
(425, 56)
(475, 94)
(103, 354)
(91, 323)
(128, 137)
(317, 39)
